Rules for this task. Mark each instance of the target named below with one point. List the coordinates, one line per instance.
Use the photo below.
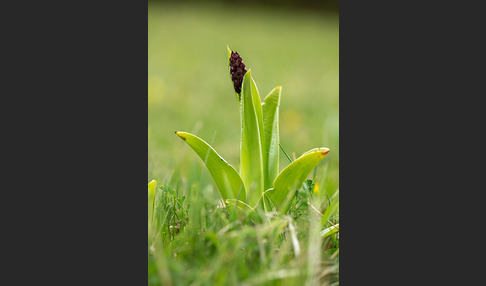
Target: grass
(199, 243)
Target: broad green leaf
(330, 230)
(224, 175)
(251, 168)
(292, 177)
(271, 136)
(258, 110)
(259, 113)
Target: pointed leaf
(151, 190)
(251, 168)
(271, 136)
(152, 186)
(292, 177)
(229, 52)
(257, 103)
(227, 179)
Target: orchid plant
(258, 182)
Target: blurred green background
(189, 86)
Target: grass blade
(285, 153)
(251, 168)
(331, 208)
(292, 177)
(330, 230)
(293, 236)
(227, 179)
(239, 204)
(242, 209)
(271, 136)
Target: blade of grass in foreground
(330, 230)
(251, 168)
(227, 179)
(292, 177)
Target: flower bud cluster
(237, 70)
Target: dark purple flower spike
(237, 70)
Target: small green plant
(258, 183)
(168, 213)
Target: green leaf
(271, 136)
(224, 175)
(330, 230)
(251, 168)
(151, 198)
(292, 177)
(151, 190)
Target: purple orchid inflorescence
(237, 70)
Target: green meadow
(194, 240)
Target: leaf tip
(324, 151)
(152, 183)
(182, 137)
(229, 51)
